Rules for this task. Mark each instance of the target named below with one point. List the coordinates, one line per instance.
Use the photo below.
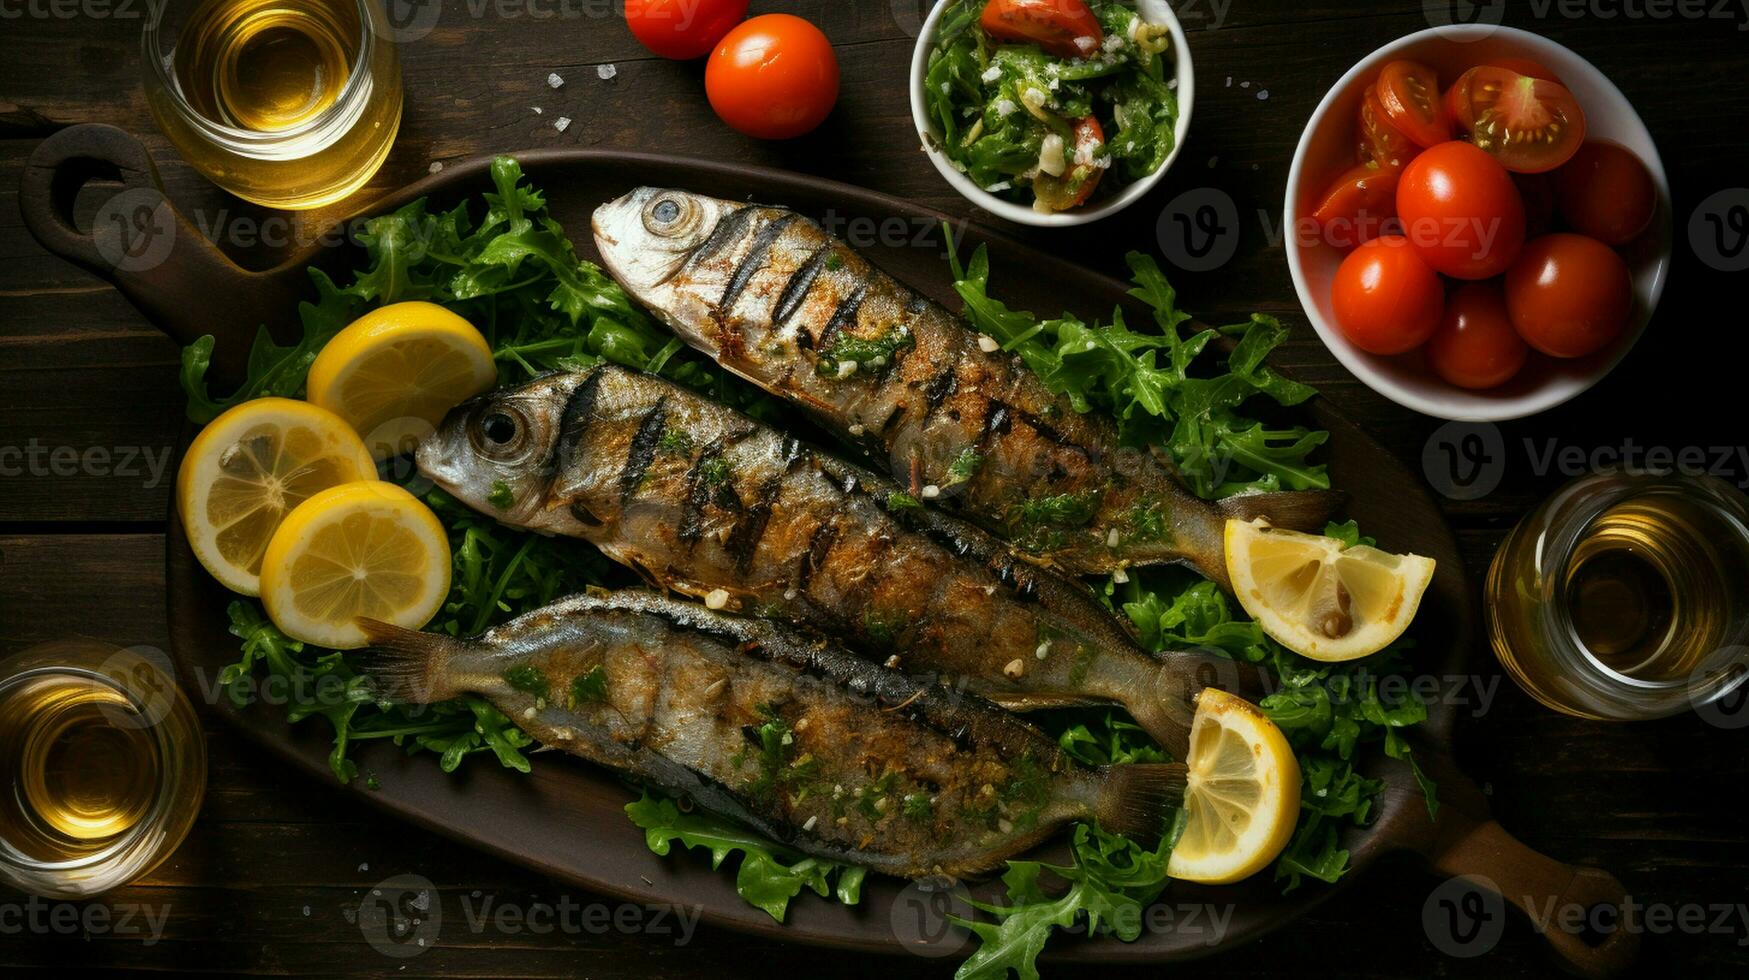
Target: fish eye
(498, 428)
(501, 433)
(670, 216)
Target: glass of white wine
(287, 103)
(102, 768)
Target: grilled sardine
(703, 500)
(807, 744)
(776, 299)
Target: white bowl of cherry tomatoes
(1481, 223)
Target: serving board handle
(142, 244)
(1585, 914)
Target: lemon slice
(248, 468)
(395, 371)
(1242, 792)
(1318, 598)
(363, 549)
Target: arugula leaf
(769, 875)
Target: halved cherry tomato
(1080, 177)
(1537, 191)
(1607, 193)
(1381, 142)
(1525, 66)
(1386, 299)
(1475, 345)
(1358, 205)
(1529, 124)
(1460, 210)
(1568, 295)
(1065, 28)
(1409, 92)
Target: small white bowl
(1152, 11)
(1326, 149)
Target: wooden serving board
(566, 818)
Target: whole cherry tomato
(1607, 193)
(1385, 298)
(1460, 210)
(1568, 295)
(1475, 345)
(1358, 206)
(774, 77)
(682, 29)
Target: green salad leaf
(769, 874)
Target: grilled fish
(807, 744)
(776, 299)
(705, 501)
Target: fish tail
(1137, 798)
(1294, 510)
(1164, 702)
(405, 666)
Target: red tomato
(1568, 295)
(774, 77)
(1460, 210)
(1357, 206)
(1065, 28)
(1538, 193)
(1607, 193)
(1529, 124)
(1409, 92)
(1475, 345)
(1525, 66)
(682, 29)
(1381, 142)
(1385, 298)
(1076, 184)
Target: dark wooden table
(272, 878)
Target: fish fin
(404, 665)
(1137, 798)
(1163, 700)
(1294, 510)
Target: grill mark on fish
(573, 421)
(796, 290)
(728, 231)
(698, 493)
(844, 314)
(820, 542)
(750, 527)
(996, 423)
(757, 255)
(940, 388)
(643, 448)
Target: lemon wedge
(362, 549)
(1241, 795)
(1319, 598)
(248, 468)
(395, 371)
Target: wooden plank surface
(274, 876)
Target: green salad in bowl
(1050, 106)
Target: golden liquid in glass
(80, 767)
(281, 72)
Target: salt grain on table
(436, 165)
(605, 72)
(562, 123)
(554, 81)
(1262, 94)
